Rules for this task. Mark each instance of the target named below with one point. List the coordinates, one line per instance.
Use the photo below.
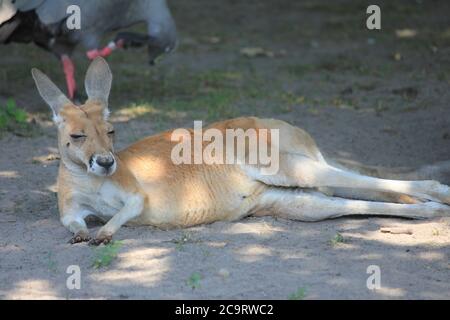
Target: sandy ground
(339, 81)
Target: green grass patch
(185, 94)
(104, 255)
(14, 119)
(337, 239)
(300, 294)
(299, 70)
(52, 266)
(185, 238)
(194, 281)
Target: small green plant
(194, 280)
(185, 238)
(12, 118)
(338, 238)
(106, 254)
(11, 112)
(205, 252)
(298, 295)
(52, 266)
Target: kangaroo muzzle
(102, 164)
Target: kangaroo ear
(98, 81)
(49, 92)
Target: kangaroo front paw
(101, 238)
(80, 236)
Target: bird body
(44, 23)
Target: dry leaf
(446, 33)
(396, 230)
(408, 93)
(397, 56)
(269, 54)
(213, 40)
(252, 52)
(405, 33)
(223, 273)
(282, 53)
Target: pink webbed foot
(106, 51)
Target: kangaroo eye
(111, 132)
(77, 136)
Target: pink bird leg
(69, 71)
(106, 51)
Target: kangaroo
(141, 185)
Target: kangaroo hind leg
(301, 171)
(314, 206)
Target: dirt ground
(374, 97)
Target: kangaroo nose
(105, 162)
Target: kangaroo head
(85, 137)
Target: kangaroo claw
(79, 237)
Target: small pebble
(223, 273)
(371, 41)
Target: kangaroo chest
(102, 199)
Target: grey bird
(52, 25)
